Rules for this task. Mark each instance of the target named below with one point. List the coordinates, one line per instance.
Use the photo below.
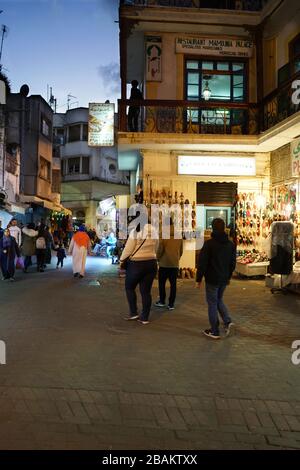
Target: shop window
(85, 165)
(73, 166)
(45, 169)
(74, 133)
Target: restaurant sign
(101, 124)
(216, 166)
(295, 154)
(215, 46)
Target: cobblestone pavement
(80, 377)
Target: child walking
(61, 255)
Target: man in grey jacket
(168, 254)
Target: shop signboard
(214, 46)
(101, 125)
(153, 59)
(216, 166)
(295, 157)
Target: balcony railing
(246, 5)
(279, 105)
(188, 117)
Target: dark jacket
(217, 260)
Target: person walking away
(134, 111)
(140, 252)
(61, 255)
(111, 242)
(80, 246)
(168, 254)
(41, 246)
(8, 251)
(49, 246)
(15, 231)
(29, 235)
(216, 263)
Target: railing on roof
(245, 5)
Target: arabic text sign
(295, 154)
(101, 124)
(153, 59)
(216, 166)
(215, 46)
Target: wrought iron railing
(187, 117)
(279, 105)
(246, 5)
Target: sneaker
(171, 307)
(144, 322)
(209, 334)
(80, 276)
(76, 275)
(12, 279)
(228, 328)
(129, 318)
(160, 304)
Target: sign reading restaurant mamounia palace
(215, 46)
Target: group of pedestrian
(144, 253)
(27, 242)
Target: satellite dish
(24, 90)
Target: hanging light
(206, 92)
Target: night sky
(71, 45)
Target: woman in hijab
(8, 251)
(80, 246)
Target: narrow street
(77, 376)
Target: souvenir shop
(234, 188)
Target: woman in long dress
(80, 246)
(8, 251)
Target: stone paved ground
(79, 377)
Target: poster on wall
(101, 125)
(153, 59)
(295, 157)
(214, 46)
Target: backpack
(40, 243)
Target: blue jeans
(214, 298)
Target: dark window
(45, 169)
(112, 169)
(294, 52)
(85, 165)
(74, 133)
(85, 132)
(73, 165)
(45, 127)
(226, 80)
(59, 136)
(62, 167)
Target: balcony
(244, 5)
(278, 105)
(191, 117)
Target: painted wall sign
(101, 124)
(216, 166)
(215, 46)
(153, 59)
(295, 154)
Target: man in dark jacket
(216, 263)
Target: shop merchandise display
(249, 257)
